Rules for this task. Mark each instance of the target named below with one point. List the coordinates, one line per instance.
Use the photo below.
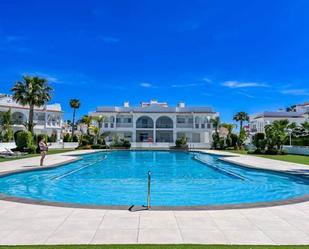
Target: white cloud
(184, 85)
(237, 84)
(247, 95)
(296, 92)
(109, 39)
(207, 80)
(146, 85)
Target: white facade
(158, 124)
(47, 119)
(257, 122)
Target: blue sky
(231, 55)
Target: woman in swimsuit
(43, 150)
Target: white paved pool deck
(36, 224)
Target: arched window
(18, 118)
(164, 122)
(144, 122)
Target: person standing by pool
(43, 150)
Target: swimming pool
(119, 178)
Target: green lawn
(287, 158)
(155, 247)
(50, 152)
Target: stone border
(134, 208)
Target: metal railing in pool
(76, 170)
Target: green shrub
(75, 139)
(120, 143)
(181, 142)
(98, 146)
(67, 138)
(24, 140)
(52, 138)
(32, 149)
(8, 135)
(15, 134)
(86, 140)
(271, 151)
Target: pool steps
(228, 172)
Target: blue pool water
(178, 179)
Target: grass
(287, 158)
(50, 152)
(153, 247)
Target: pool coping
(134, 208)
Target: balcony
(184, 125)
(124, 125)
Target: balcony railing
(124, 125)
(184, 125)
(164, 126)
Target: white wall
(59, 145)
(298, 150)
(66, 145)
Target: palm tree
(32, 91)
(305, 125)
(99, 120)
(229, 127)
(277, 133)
(74, 104)
(241, 117)
(87, 120)
(216, 123)
(96, 132)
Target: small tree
(74, 104)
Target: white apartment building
(47, 119)
(158, 124)
(257, 122)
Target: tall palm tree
(34, 92)
(74, 104)
(241, 117)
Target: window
(106, 125)
(208, 126)
(181, 120)
(112, 125)
(196, 126)
(203, 126)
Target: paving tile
(237, 223)
(292, 237)
(125, 222)
(159, 236)
(162, 222)
(21, 237)
(200, 236)
(84, 224)
(115, 236)
(196, 223)
(71, 236)
(245, 237)
(278, 224)
(38, 224)
(87, 213)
